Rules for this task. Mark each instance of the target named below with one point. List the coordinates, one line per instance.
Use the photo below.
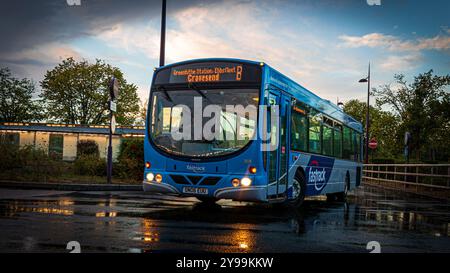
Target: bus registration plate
(193, 190)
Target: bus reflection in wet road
(44, 221)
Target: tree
(143, 113)
(424, 109)
(383, 126)
(16, 99)
(77, 93)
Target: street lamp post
(113, 94)
(366, 155)
(163, 35)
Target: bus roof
(272, 77)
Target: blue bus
(316, 146)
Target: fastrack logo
(195, 168)
(317, 176)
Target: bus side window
(337, 138)
(314, 132)
(356, 145)
(299, 129)
(327, 140)
(347, 143)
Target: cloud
(393, 43)
(45, 54)
(237, 29)
(229, 29)
(399, 63)
(34, 62)
(126, 34)
(27, 24)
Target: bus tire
(342, 196)
(298, 190)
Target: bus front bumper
(159, 187)
(252, 193)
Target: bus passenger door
(285, 110)
(279, 152)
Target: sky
(324, 45)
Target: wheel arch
(301, 171)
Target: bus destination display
(206, 72)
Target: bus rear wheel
(342, 196)
(298, 190)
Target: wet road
(44, 221)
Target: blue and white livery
(317, 146)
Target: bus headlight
(235, 182)
(158, 178)
(246, 181)
(150, 177)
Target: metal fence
(425, 179)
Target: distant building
(62, 138)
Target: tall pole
(109, 170)
(366, 160)
(162, 51)
(113, 94)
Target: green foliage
(383, 161)
(383, 126)
(90, 165)
(26, 160)
(132, 148)
(16, 103)
(131, 159)
(424, 109)
(9, 156)
(27, 163)
(77, 93)
(87, 148)
(142, 118)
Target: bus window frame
(170, 87)
(320, 116)
(306, 108)
(328, 120)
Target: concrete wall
(41, 140)
(26, 138)
(70, 147)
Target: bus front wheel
(298, 190)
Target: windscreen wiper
(198, 90)
(166, 94)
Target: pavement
(45, 220)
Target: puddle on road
(153, 224)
